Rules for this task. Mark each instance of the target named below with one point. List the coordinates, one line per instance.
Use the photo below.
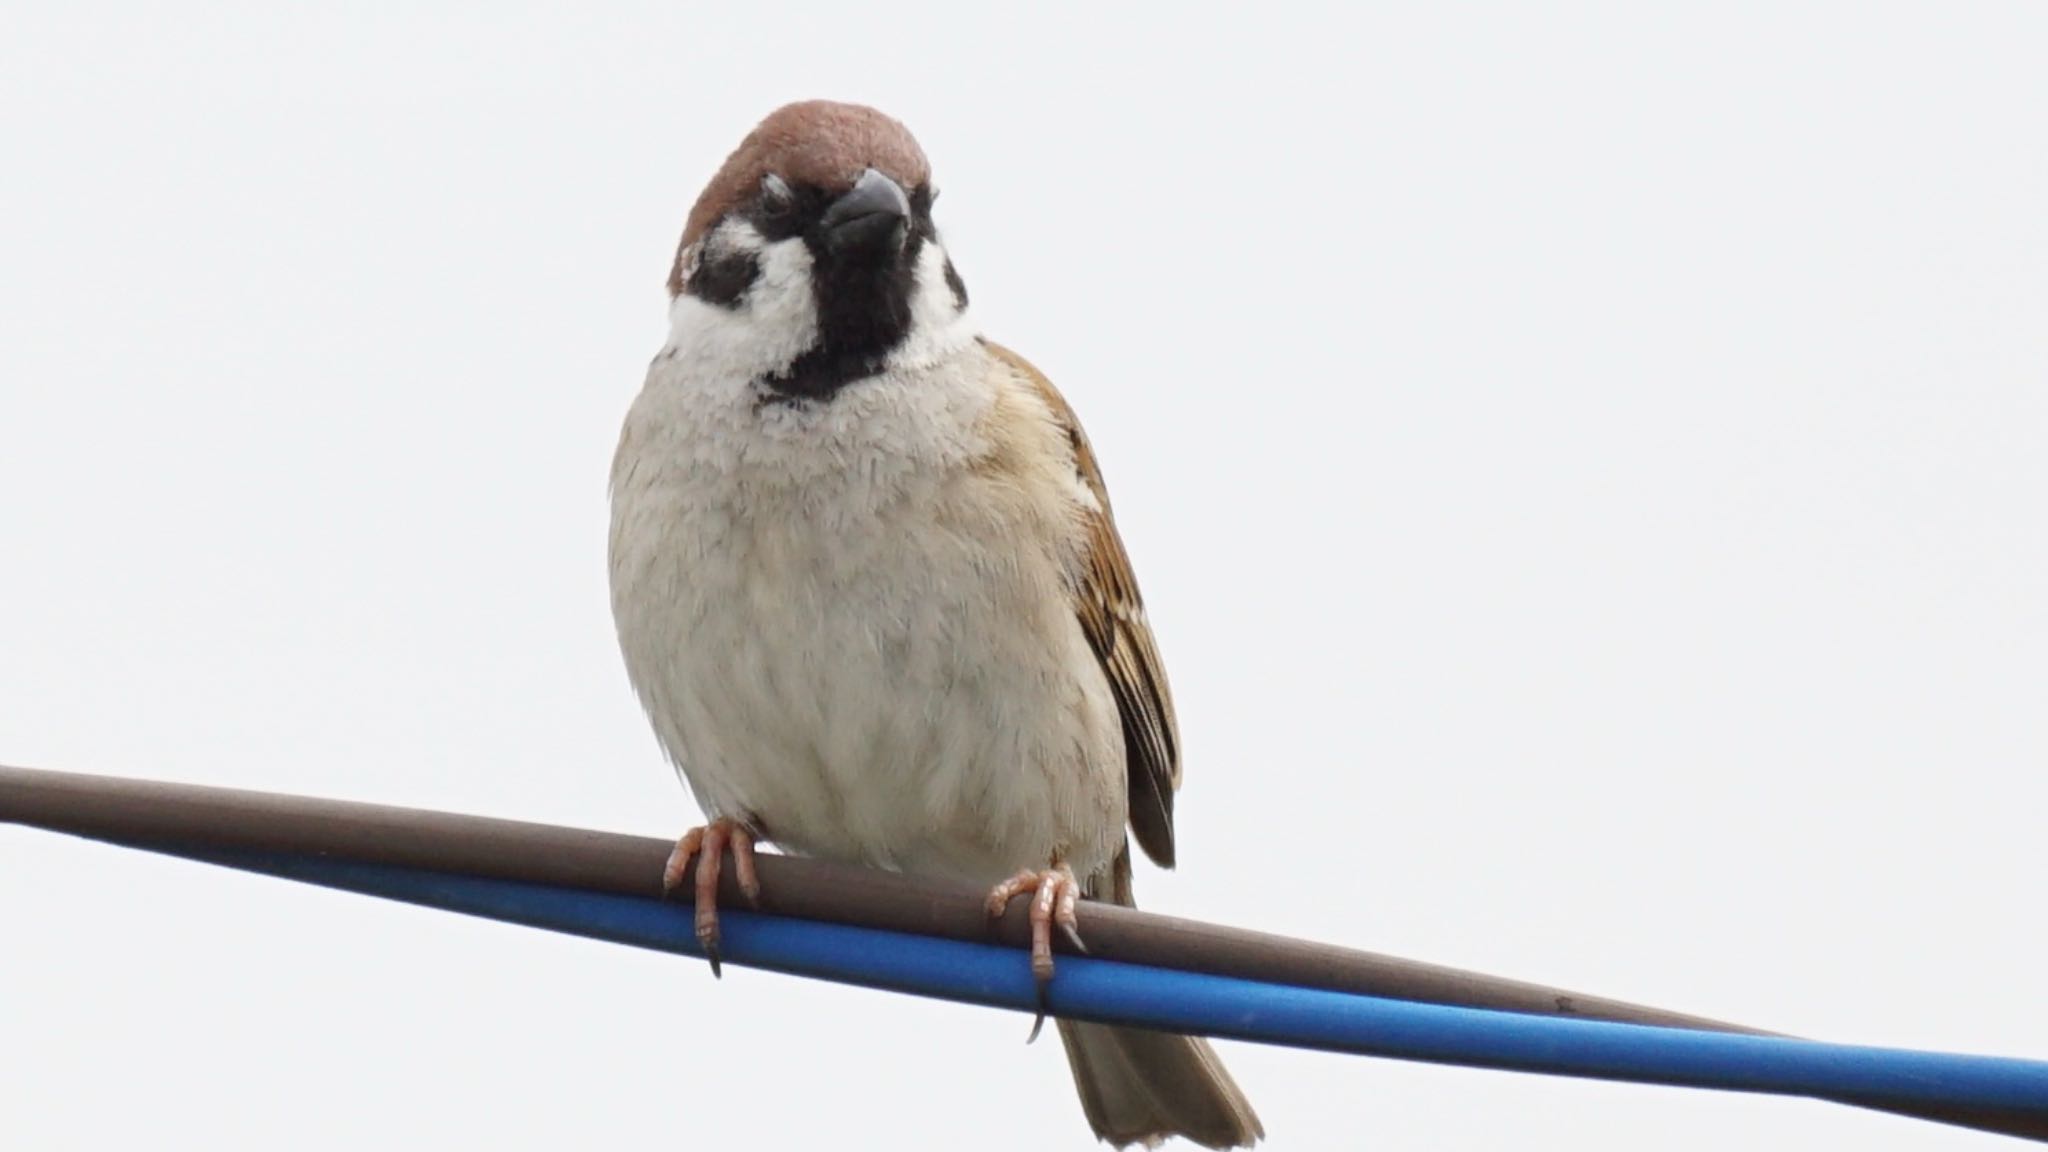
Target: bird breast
(851, 621)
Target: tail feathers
(1141, 1087)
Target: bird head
(811, 259)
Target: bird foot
(1055, 893)
(708, 844)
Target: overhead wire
(932, 937)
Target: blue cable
(1113, 992)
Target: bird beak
(869, 218)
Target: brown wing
(1113, 616)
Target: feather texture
(1112, 613)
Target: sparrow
(869, 590)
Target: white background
(1586, 469)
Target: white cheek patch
(781, 298)
(775, 322)
(939, 326)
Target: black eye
(777, 201)
(922, 198)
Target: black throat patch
(863, 315)
(863, 293)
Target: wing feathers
(1112, 614)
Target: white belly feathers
(847, 622)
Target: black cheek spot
(958, 286)
(724, 278)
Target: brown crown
(815, 142)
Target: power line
(930, 938)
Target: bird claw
(1055, 894)
(708, 843)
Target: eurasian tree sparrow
(868, 586)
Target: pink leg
(708, 844)
(1054, 895)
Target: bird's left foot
(1055, 893)
(708, 845)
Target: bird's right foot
(708, 844)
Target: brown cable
(144, 813)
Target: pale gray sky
(1586, 469)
